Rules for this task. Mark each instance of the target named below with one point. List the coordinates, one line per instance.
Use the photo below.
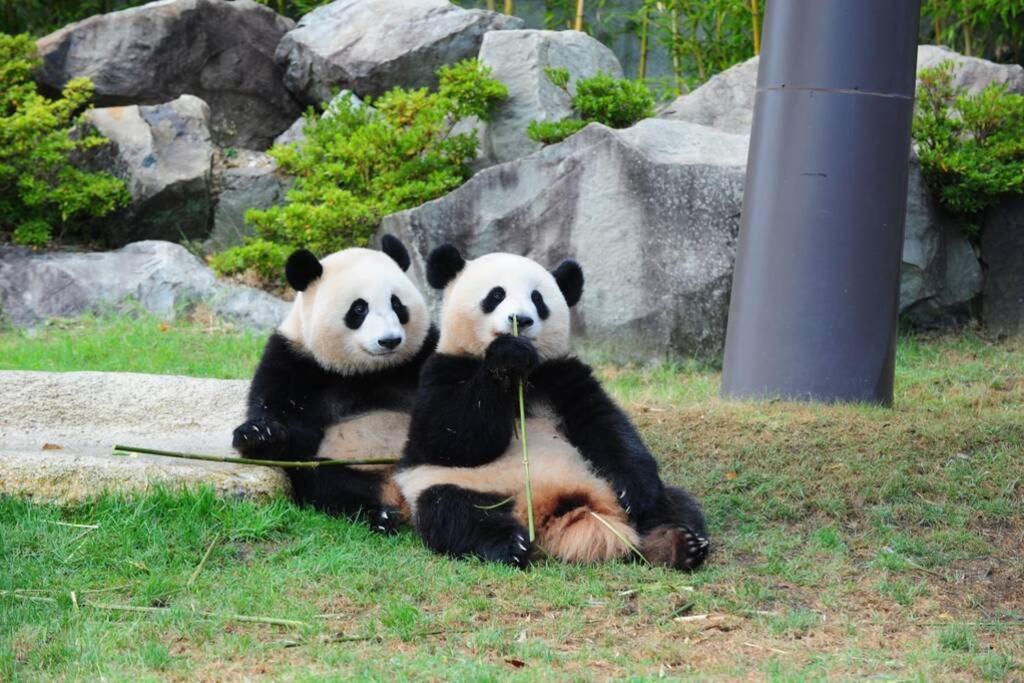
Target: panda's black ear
(394, 248)
(569, 277)
(443, 264)
(302, 268)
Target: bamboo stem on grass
(161, 610)
(309, 464)
(202, 562)
(526, 453)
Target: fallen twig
(770, 649)
(309, 464)
(75, 526)
(202, 562)
(915, 565)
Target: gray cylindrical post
(816, 290)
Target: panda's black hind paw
(678, 547)
(385, 520)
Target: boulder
(161, 277)
(220, 51)
(371, 46)
(652, 212)
(164, 154)
(726, 100)
(972, 73)
(250, 180)
(1002, 250)
(518, 59)
(940, 278)
(296, 133)
(57, 431)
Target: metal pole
(816, 288)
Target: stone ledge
(79, 416)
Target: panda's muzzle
(389, 343)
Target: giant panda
(461, 470)
(338, 378)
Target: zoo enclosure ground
(849, 541)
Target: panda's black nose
(524, 320)
(389, 342)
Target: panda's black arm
(601, 431)
(462, 416)
(281, 421)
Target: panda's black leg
(459, 522)
(675, 533)
(344, 491)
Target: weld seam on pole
(836, 91)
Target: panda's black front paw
(508, 355)
(636, 505)
(518, 551)
(385, 520)
(256, 437)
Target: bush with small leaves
(971, 146)
(360, 162)
(41, 191)
(614, 102)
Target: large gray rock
(165, 156)
(371, 46)
(249, 181)
(726, 100)
(972, 73)
(222, 52)
(57, 431)
(1002, 250)
(162, 277)
(652, 213)
(518, 59)
(940, 277)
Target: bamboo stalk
(309, 464)
(490, 5)
(622, 538)
(645, 23)
(160, 610)
(579, 15)
(509, 9)
(757, 27)
(526, 453)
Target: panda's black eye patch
(542, 308)
(400, 310)
(493, 298)
(356, 314)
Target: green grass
(850, 542)
(134, 344)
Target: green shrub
(362, 162)
(971, 146)
(550, 132)
(614, 102)
(40, 190)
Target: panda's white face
(362, 314)
(480, 302)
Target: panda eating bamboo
(596, 487)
